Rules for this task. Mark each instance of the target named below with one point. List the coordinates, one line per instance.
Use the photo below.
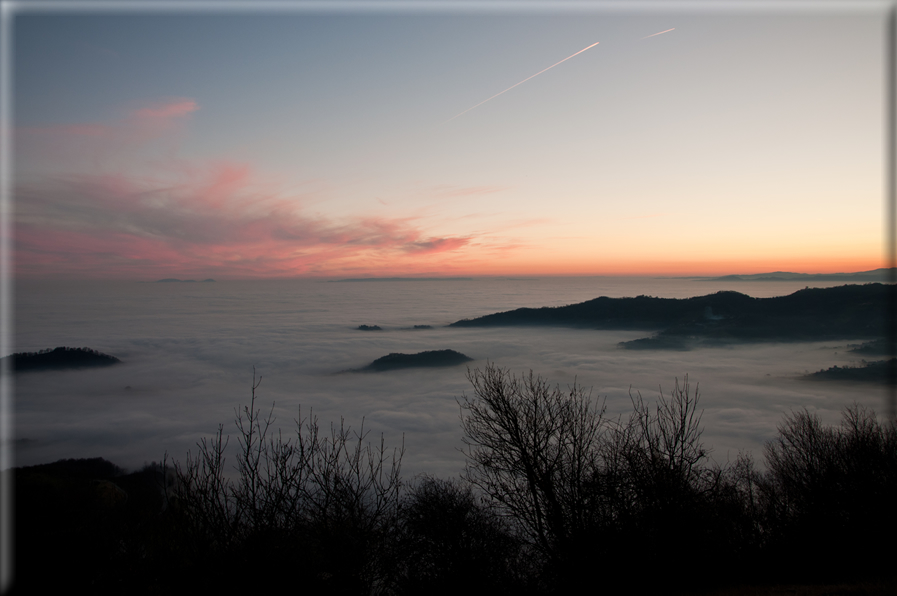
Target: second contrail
(521, 82)
(661, 33)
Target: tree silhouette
(534, 451)
(326, 503)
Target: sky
(299, 143)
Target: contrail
(526, 79)
(661, 33)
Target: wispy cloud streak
(137, 125)
(216, 224)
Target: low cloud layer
(188, 354)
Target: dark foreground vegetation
(850, 311)
(59, 358)
(556, 498)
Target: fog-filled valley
(188, 352)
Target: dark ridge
(423, 327)
(850, 311)
(369, 328)
(60, 358)
(877, 347)
(427, 359)
(870, 372)
(89, 468)
(641, 312)
(659, 342)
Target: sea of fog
(188, 352)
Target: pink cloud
(436, 245)
(166, 110)
(158, 116)
(212, 222)
(191, 219)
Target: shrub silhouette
(322, 504)
(452, 543)
(829, 493)
(667, 500)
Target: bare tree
(203, 494)
(534, 451)
(656, 456)
(335, 497)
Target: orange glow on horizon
(678, 268)
(226, 219)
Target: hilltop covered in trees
(427, 359)
(59, 358)
(879, 371)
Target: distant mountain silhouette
(850, 311)
(860, 276)
(369, 328)
(60, 358)
(420, 360)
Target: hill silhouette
(879, 371)
(60, 358)
(426, 359)
(850, 311)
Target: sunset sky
(286, 143)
